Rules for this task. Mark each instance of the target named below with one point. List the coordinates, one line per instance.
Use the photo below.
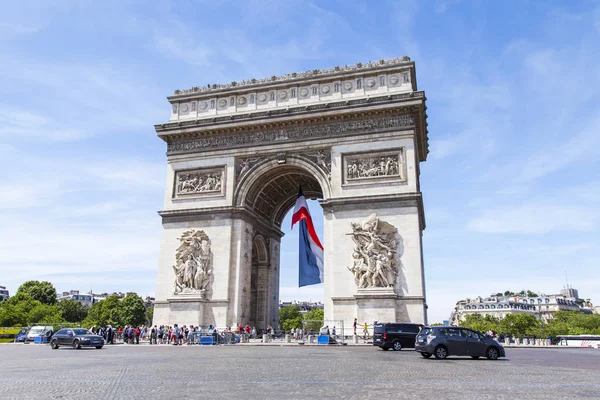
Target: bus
(579, 340)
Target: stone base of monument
(381, 304)
(191, 309)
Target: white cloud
(533, 219)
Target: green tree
(72, 310)
(43, 291)
(44, 313)
(519, 325)
(481, 323)
(10, 316)
(289, 313)
(133, 310)
(111, 311)
(314, 319)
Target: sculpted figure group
(193, 268)
(373, 258)
(369, 167)
(192, 183)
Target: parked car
(76, 338)
(39, 331)
(395, 335)
(22, 335)
(444, 341)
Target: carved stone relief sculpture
(322, 158)
(374, 254)
(199, 182)
(193, 267)
(244, 165)
(359, 167)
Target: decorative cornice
(163, 129)
(215, 213)
(296, 76)
(344, 126)
(390, 200)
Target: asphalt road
(291, 372)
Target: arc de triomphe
(351, 136)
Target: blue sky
(511, 186)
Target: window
(251, 99)
(315, 90)
(212, 104)
(470, 334)
(336, 87)
(452, 332)
(382, 80)
(232, 101)
(293, 93)
(194, 106)
(405, 78)
(272, 96)
(359, 83)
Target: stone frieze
(291, 133)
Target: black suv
(444, 341)
(395, 335)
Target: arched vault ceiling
(271, 196)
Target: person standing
(365, 330)
(137, 334)
(354, 325)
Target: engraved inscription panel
(374, 166)
(199, 182)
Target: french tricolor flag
(311, 249)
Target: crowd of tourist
(175, 335)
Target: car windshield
(379, 328)
(81, 331)
(38, 330)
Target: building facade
(499, 306)
(351, 136)
(4, 294)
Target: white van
(36, 331)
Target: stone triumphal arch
(351, 136)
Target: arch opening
(269, 192)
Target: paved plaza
(291, 372)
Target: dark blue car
(22, 335)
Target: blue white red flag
(311, 249)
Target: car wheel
(98, 347)
(385, 348)
(76, 344)
(440, 352)
(54, 344)
(475, 357)
(492, 353)
(397, 346)
(426, 354)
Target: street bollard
(355, 339)
(288, 339)
(311, 338)
(506, 341)
(265, 338)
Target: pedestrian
(354, 325)
(365, 331)
(137, 335)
